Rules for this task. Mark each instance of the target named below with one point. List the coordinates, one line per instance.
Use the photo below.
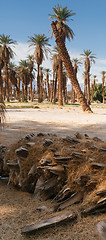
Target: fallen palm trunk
(69, 68)
(49, 223)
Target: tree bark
(60, 83)
(69, 68)
(38, 84)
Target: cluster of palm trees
(23, 75)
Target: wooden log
(32, 229)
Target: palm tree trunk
(85, 87)
(48, 85)
(103, 89)
(31, 89)
(1, 84)
(92, 87)
(70, 71)
(55, 86)
(60, 83)
(88, 83)
(19, 95)
(38, 84)
(7, 81)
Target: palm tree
(88, 59)
(12, 72)
(76, 64)
(41, 44)
(62, 15)
(24, 75)
(6, 55)
(69, 68)
(85, 84)
(47, 70)
(1, 81)
(30, 61)
(103, 81)
(92, 86)
(55, 59)
(41, 83)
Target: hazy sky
(23, 18)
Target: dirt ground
(18, 209)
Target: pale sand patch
(61, 121)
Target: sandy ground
(18, 209)
(62, 121)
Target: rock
(22, 152)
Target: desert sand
(53, 119)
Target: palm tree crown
(6, 51)
(62, 15)
(40, 41)
(88, 57)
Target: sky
(23, 18)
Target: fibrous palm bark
(69, 68)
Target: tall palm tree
(85, 84)
(30, 61)
(12, 72)
(24, 75)
(1, 67)
(47, 70)
(62, 15)
(6, 54)
(76, 64)
(69, 68)
(92, 86)
(41, 43)
(103, 81)
(88, 57)
(55, 59)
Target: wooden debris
(100, 207)
(101, 193)
(77, 154)
(22, 152)
(78, 135)
(62, 160)
(50, 183)
(75, 198)
(30, 144)
(55, 221)
(102, 150)
(47, 142)
(97, 165)
(71, 140)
